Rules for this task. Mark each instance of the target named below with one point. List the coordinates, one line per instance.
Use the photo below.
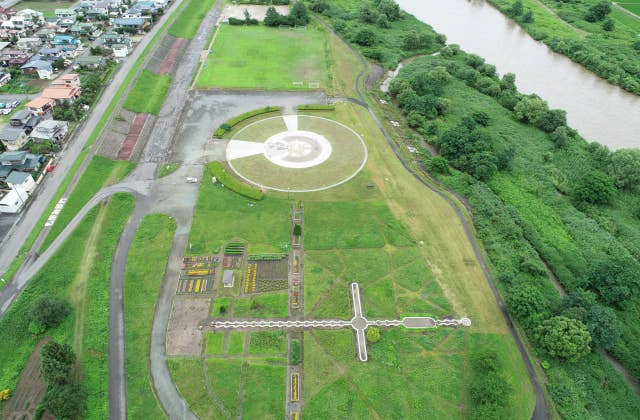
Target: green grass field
(263, 305)
(100, 173)
(86, 255)
(268, 342)
(46, 7)
(266, 58)
(187, 24)
(215, 342)
(236, 343)
(148, 93)
(632, 7)
(146, 264)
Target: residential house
(5, 14)
(67, 80)
(49, 54)
(10, 35)
(85, 29)
(61, 94)
(50, 130)
(66, 13)
(66, 24)
(120, 50)
(4, 45)
(90, 61)
(42, 68)
(18, 180)
(29, 44)
(45, 34)
(19, 161)
(112, 38)
(14, 57)
(35, 17)
(65, 40)
(13, 138)
(13, 201)
(4, 78)
(40, 105)
(98, 12)
(129, 24)
(25, 119)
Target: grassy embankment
(79, 272)
(148, 93)
(146, 264)
(613, 55)
(85, 151)
(188, 23)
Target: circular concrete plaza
(296, 153)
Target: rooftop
(17, 177)
(39, 102)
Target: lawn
(632, 7)
(264, 305)
(88, 326)
(46, 7)
(188, 23)
(148, 93)
(167, 169)
(268, 342)
(266, 58)
(146, 264)
(215, 343)
(236, 343)
(100, 173)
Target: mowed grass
(215, 342)
(259, 57)
(46, 7)
(268, 342)
(55, 279)
(222, 215)
(632, 7)
(148, 93)
(264, 305)
(145, 269)
(100, 173)
(189, 21)
(236, 343)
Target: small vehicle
(192, 180)
(5, 111)
(15, 103)
(2, 105)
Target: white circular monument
(296, 153)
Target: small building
(42, 68)
(49, 54)
(120, 50)
(14, 57)
(65, 13)
(45, 34)
(19, 161)
(50, 130)
(112, 38)
(61, 94)
(13, 201)
(65, 40)
(90, 61)
(130, 24)
(67, 80)
(13, 138)
(40, 105)
(35, 17)
(84, 29)
(30, 44)
(4, 78)
(227, 278)
(22, 181)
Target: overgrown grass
(145, 269)
(189, 21)
(167, 169)
(215, 342)
(263, 305)
(100, 172)
(236, 343)
(148, 93)
(218, 170)
(55, 279)
(268, 342)
(259, 57)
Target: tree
(489, 388)
(299, 14)
(563, 337)
(297, 230)
(560, 136)
(373, 335)
(516, 9)
(617, 280)
(383, 21)
(438, 165)
(593, 187)
(57, 361)
(365, 37)
(483, 165)
(608, 25)
(528, 16)
(625, 168)
(389, 8)
(58, 64)
(530, 109)
(527, 303)
(49, 311)
(272, 18)
(65, 401)
(598, 11)
(603, 325)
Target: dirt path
(79, 284)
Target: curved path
(541, 410)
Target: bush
(295, 353)
(216, 169)
(373, 335)
(365, 37)
(227, 126)
(316, 107)
(564, 338)
(49, 312)
(593, 187)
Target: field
(100, 173)
(632, 7)
(148, 93)
(46, 7)
(266, 58)
(146, 264)
(79, 272)
(263, 305)
(188, 23)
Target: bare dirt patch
(184, 338)
(30, 390)
(256, 12)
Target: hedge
(222, 130)
(232, 183)
(316, 107)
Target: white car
(192, 180)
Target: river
(599, 110)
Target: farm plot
(197, 275)
(266, 273)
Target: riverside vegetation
(547, 205)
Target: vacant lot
(266, 58)
(148, 94)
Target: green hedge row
(221, 131)
(232, 183)
(316, 107)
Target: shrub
(365, 37)
(232, 183)
(49, 312)
(227, 126)
(373, 335)
(316, 107)
(564, 338)
(295, 353)
(593, 187)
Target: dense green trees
(594, 187)
(598, 11)
(625, 168)
(64, 396)
(299, 16)
(527, 303)
(49, 312)
(563, 337)
(489, 390)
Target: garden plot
(197, 275)
(267, 273)
(233, 255)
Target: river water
(599, 110)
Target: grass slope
(266, 58)
(146, 264)
(148, 93)
(187, 24)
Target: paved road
(44, 194)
